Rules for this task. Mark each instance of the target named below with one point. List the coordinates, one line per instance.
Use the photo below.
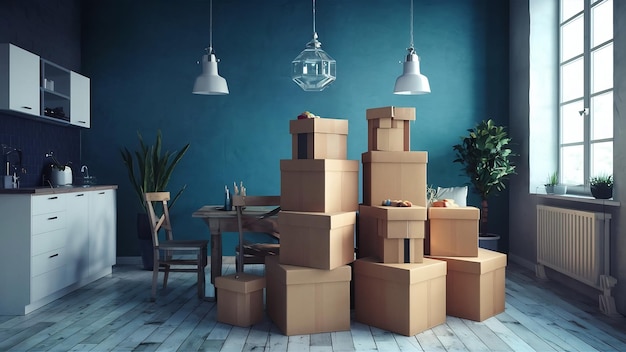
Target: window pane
(602, 70)
(572, 164)
(572, 39)
(602, 116)
(570, 7)
(572, 124)
(602, 158)
(572, 80)
(602, 23)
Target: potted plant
(601, 186)
(150, 170)
(553, 186)
(486, 160)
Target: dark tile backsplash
(35, 139)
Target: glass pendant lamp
(411, 82)
(209, 82)
(313, 70)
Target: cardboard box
(401, 298)
(319, 138)
(381, 131)
(475, 286)
(240, 300)
(302, 300)
(397, 222)
(317, 240)
(386, 250)
(396, 113)
(394, 175)
(390, 139)
(319, 185)
(453, 231)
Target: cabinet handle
(54, 255)
(53, 218)
(50, 198)
(80, 194)
(27, 107)
(100, 192)
(81, 121)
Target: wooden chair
(170, 254)
(255, 253)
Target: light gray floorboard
(115, 314)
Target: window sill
(581, 199)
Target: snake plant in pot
(486, 159)
(150, 170)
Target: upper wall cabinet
(19, 80)
(39, 87)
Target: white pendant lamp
(210, 82)
(313, 70)
(412, 82)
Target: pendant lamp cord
(314, 16)
(211, 27)
(412, 24)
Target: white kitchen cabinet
(80, 100)
(19, 80)
(51, 244)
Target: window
(586, 90)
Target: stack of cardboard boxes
(396, 288)
(308, 284)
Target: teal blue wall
(141, 57)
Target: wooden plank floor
(114, 314)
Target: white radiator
(577, 244)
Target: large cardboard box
(401, 298)
(394, 175)
(316, 240)
(302, 300)
(475, 286)
(240, 299)
(386, 250)
(453, 231)
(319, 185)
(319, 138)
(397, 222)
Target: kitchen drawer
(47, 241)
(45, 284)
(49, 203)
(48, 222)
(47, 261)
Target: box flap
(396, 113)
(242, 283)
(408, 273)
(299, 275)
(318, 125)
(393, 213)
(331, 220)
(395, 157)
(486, 261)
(319, 165)
(460, 213)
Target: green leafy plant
(603, 179)
(486, 159)
(553, 179)
(150, 170)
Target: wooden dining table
(219, 221)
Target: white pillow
(458, 194)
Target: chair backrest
(158, 222)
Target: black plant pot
(144, 236)
(602, 191)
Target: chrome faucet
(84, 170)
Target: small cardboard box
(319, 185)
(397, 222)
(393, 250)
(394, 175)
(475, 286)
(240, 299)
(319, 138)
(388, 128)
(401, 298)
(396, 113)
(316, 240)
(389, 139)
(453, 231)
(304, 300)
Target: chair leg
(155, 278)
(166, 274)
(201, 283)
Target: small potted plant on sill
(553, 186)
(601, 186)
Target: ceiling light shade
(313, 70)
(210, 82)
(412, 82)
